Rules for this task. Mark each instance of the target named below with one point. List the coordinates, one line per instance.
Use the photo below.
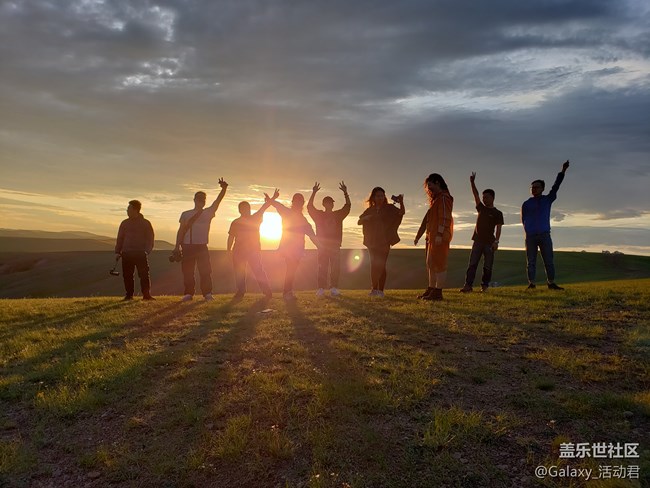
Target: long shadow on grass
(174, 404)
(349, 408)
(41, 319)
(154, 407)
(46, 368)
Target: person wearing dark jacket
(536, 217)
(135, 240)
(380, 222)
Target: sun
(271, 228)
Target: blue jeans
(545, 244)
(480, 249)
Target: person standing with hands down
(536, 217)
(192, 238)
(329, 230)
(135, 240)
(486, 242)
(380, 222)
(439, 224)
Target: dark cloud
(377, 92)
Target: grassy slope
(86, 273)
(475, 391)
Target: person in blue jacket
(536, 217)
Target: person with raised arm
(192, 239)
(244, 241)
(380, 222)
(292, 244)
(486, 237)
(536, 218)
(329, 230)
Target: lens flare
(354, 260)
(271, 228)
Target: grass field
(478, 390)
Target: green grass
(351, 392)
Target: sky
(106, 101)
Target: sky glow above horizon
(104, 102)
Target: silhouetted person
(439, 225)
(380, 222)
(244, 240)
(134, 243)
(192, 238)
(329, 230)
(536, 217)
(485, 241)
(292, 244)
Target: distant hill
(76, 274)
(14, 240)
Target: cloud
(162, 95)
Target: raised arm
(268, 201)
(344, 189)
(402, 208)
(477, 198)
(274, 202)
(558, 181)
(222, 193)
(310, 203)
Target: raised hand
(472, 177)
(223, 184)
(316, 187)
(565, 166)
(342, 187)
(276, 194)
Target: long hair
(434, 178)
(371, 197)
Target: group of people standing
(380, 223)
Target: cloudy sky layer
(105, 101)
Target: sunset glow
(271, 228)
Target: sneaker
(373, 293)
(425, 293)
(208, 297)
(148, 297)
(127, 298)
(186, 298)
(320, 292)
(289, 296)
(334, 292)
(380, 294)
(467, 289)
(484, 288)
(531, 286)
(553, 286)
